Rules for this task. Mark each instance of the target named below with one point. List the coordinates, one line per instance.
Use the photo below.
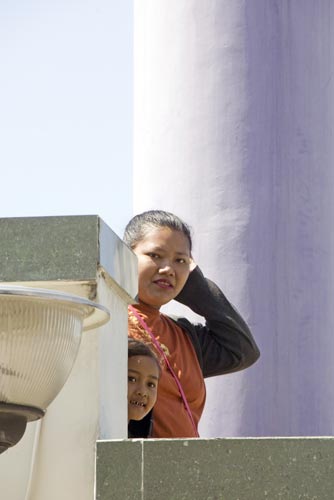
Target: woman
(166, 271)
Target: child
(143, 377)
(224, 344)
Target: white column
(233, 125)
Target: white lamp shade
(40, 335)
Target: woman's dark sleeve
(224, 344)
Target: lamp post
(40, 335)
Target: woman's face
(163, 265)
(143, 378)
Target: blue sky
(66, 106)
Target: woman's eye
(151, 385)
(131, 379)
(182, 261)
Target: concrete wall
(79, 254)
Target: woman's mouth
(163, 284)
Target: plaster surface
(233, 132)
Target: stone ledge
(216, 469)
(64, 249)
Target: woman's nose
(166, 267)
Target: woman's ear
(192, 264)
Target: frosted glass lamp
(40, 335)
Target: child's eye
(153, 255)
(151, 385)
(131, 379)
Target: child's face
(143, 379)
(163, 265)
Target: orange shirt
(171, 419)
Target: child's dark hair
(138, 348)
(141, 224)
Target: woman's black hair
(138, 227)
(138, 348)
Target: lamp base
(13, 422)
